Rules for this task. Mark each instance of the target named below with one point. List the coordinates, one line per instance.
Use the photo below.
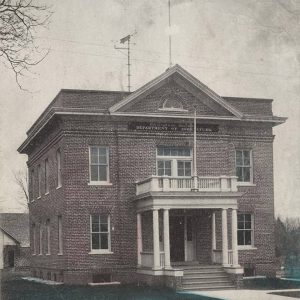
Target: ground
(17, 289)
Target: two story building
(169, 185)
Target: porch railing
(169, 184)
(217, 257)
(147, 259)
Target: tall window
(48, 236)
(243, 162)
(39, 176)
(33, 239)
(32, 185)
(174, 161)
(245, 229)
(46, 176)
(41, 240)
(99, 168)
(58, 165)
(100, 232)
(60, 236)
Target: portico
(176, 235)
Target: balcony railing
(175, 184)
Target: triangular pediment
(175, 92)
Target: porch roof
(187, 200)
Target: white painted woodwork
(167, 262)
(224, 238)
(234, 237)
(156, 251)
(171, 183)
(139, 238)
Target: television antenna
(127, 39)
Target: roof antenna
(170, 40)
(123, 41)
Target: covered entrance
(182, 241)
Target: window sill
(47, 193)
(58, 187)
(239, 183)
(100, 183)
(40, 254)
(101, 252)
(246, 248)
(48, 254)
(60, 254)
(39, 197)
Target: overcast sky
(236, 47)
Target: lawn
(21, 289)
(270, 284)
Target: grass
(270, 284)
(21, 289)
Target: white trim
(187, 76)
(246, 183)
(103, 183)
(100, 251)
(99, 182)
(241, 183)
(246, 247)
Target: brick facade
(132, 157)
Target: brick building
(123, 189)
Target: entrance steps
(210, 277)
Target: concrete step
(208, 288)
(215, 272)
(207, 283)
(202, 278)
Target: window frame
(48, 230)
(60, 235)
(46, 175)
(58, 169)
(250, 182)
(174, 160)
(101, 251)
(100, 182)
(41, 240)
(251, 246)
(32, 185)
(34, 239)
(39, 178)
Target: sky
(237, 47)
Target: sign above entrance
(173, 127)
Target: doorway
(182, 241)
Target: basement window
(101, 278)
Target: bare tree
(19, 21)
(21, 179)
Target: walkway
(246, 294)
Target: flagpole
(195, 175)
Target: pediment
(175, 92)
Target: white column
(234, 237)
(156, 254)
(224, 238)
(139, 238)
(213, 237)
(167, 239)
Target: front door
(177, 226)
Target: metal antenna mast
(123, 41)
(170, 40)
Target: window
(39, 180)
(243, 162)
(100, 233)
(41, 240)
(58, 165)
(48, 236)
(60, 237)
(174, 161)
(33, 239)
(245, 229)
(32, 185)
(99, 164)
(46, 176)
